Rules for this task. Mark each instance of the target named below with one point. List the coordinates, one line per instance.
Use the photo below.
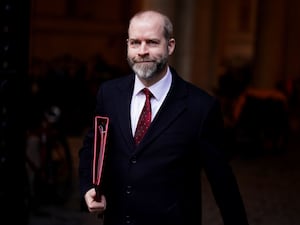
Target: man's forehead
(146, 28)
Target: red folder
(101, 129)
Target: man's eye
(152, 42)
(134, 43)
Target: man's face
(147, 48)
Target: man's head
(150, 42)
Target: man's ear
(171, 46)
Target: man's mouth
(144, 61)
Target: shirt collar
(159, 89)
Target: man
(157, 181)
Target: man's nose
(143, 49)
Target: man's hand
(92, 204)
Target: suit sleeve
(86, 156)
(218, 170)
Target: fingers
(92, 204)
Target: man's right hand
(93, 205)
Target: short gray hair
(168, 26)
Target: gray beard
(148, 70)
(144, 71)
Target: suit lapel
(172, 107)
(123, 102)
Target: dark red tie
(145, 118)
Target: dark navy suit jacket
(158, 182)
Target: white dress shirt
(159, 90)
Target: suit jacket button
(133, 160)
(128, 190)
(127, 220)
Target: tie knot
(147, 92)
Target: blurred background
(54, 55)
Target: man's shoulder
(190, 86)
